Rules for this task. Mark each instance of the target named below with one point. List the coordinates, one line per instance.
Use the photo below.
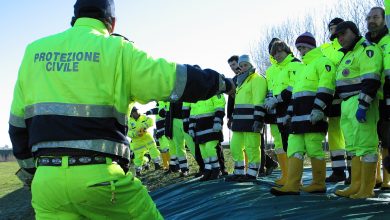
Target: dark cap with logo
(343, 26)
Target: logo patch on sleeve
(370, 53)
(328, 68)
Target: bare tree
(288, 31)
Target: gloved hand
(25, 177)
(286, 120)
(217, 127)
(316, 115)
(257, 126)
(270, 102)
(191, 133)
(162, 113)
(229, 123)
(361, 115)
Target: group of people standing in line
(340, 88)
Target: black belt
(72, 160)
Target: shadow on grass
(17, 205)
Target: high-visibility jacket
(332, 51)
(359, 73)
(287, 70)
(382, 40)
(271, 75)
(138, 129)
(249, 103)
(313, 88)
(160, 112)
(74, 88)
(203, 115)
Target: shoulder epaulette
(295, 60)
(367, 43)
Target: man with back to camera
(68, 126)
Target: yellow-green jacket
(313, 89)
(359, 73)
(203, 115)
(138, 130)
(74, 88)
(287, 70)
(249, 103)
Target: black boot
(234, 178)
(336, 176)
(184, 172)
(248, 178)
(199, 173)
(206, 175)
(172, 169)
(270, 165)
(157, 166)
(215, 173)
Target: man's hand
(25, 177)
(162, 113)
(257, 126)
(217, 127)
(232, 87)
(361, 115)
(316, 116)
(229, 123)
(286, 120)
(270, 102)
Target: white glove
(257, 126)
(217, 127)
(270, 102)
(316, 116)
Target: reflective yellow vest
(313, 88)
(249, 103)
(359, 73)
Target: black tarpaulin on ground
(251, 200)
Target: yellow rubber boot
(386, 177)
(367, 182)
(282, 160)
(165, 160)
(355, 179)
(378, 179)
(319, 174)
(294, 176)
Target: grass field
(8, 181)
